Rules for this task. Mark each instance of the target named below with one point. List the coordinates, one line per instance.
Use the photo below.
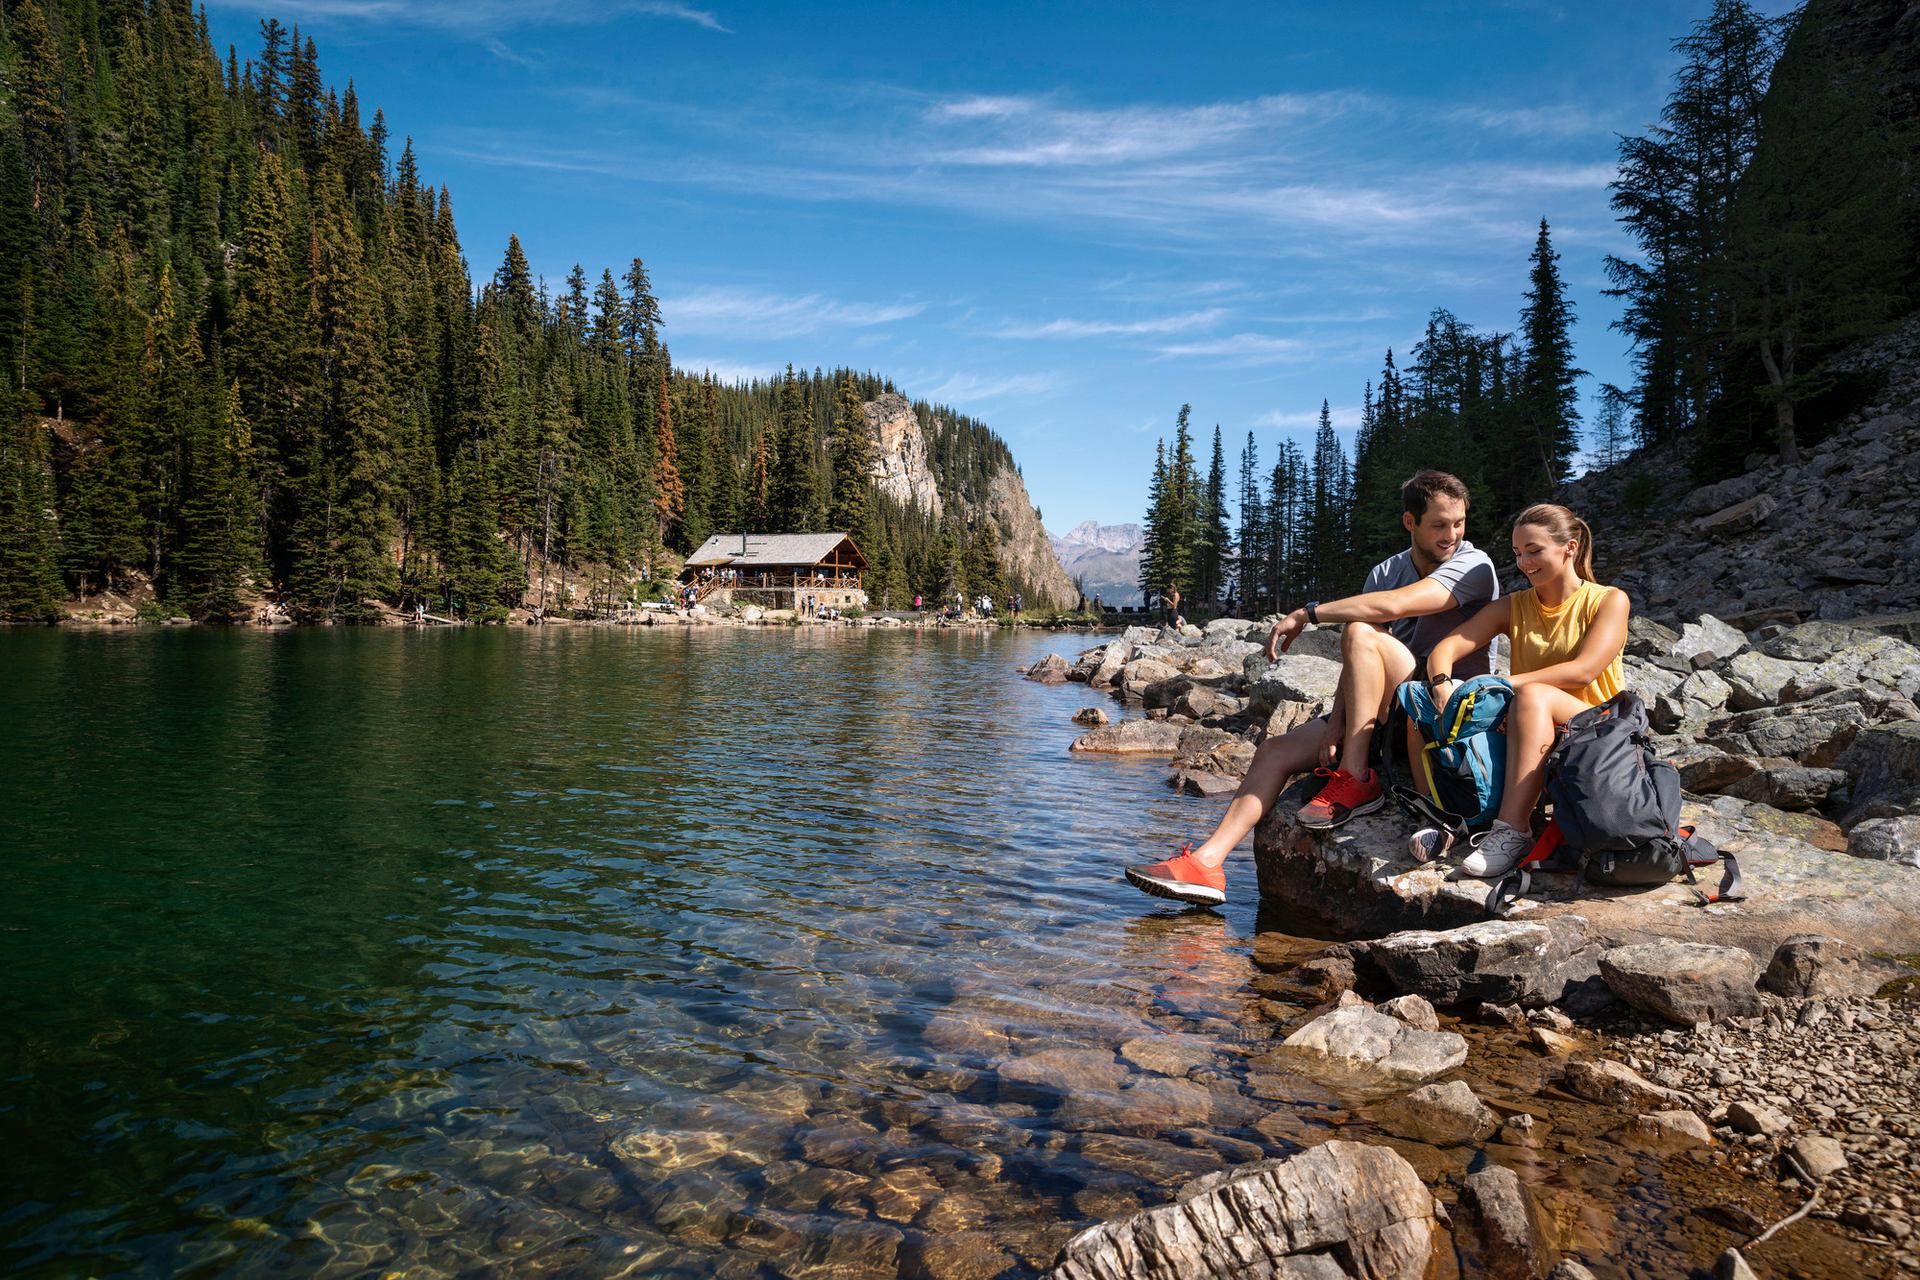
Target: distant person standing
(1172, 596)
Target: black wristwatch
(1313, 612)
(1433, 680)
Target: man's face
(1438, 533)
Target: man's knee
(1358, 636)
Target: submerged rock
(1664, 1132)
(1443, 1114)
(1355, 1210)
(1362, 1046)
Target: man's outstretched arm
(1415, 600)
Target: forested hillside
(1497, 409)
(244, 354)
(1774, 212)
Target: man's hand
(1285, 632)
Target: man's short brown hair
(1424, 486)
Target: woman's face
(1539, 557)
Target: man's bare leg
(1373, 664)
(1277, 759)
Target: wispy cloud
(1551, 121)
(1286, 419)
(1028, 132)
(726, 371)
(1066, 328)
(962, 388)
(1241, 349)
(744, 313)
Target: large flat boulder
(1525, 962)
(1133, 737)
(1360, 880)
(1339, 1211)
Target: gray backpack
(1618, 804)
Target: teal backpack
(1464, 760)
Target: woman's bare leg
(1278, 759)
(1537, 711)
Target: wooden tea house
(779, 570)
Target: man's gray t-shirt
(1469, 576)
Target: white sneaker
(1497, 852)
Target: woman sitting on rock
(1565, 634)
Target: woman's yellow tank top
(1542, 637)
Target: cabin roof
(771, 550)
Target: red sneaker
(1183, 877)
(1344, 796)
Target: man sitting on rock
(1407, 604)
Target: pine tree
(1548, 388)
(1248, 545)
(220, 541)
(670, 496)
(30, 589)
(1211, 544)
(793, 496)
(852, 449)
(1331, 496)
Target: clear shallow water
(621, 951)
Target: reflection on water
(688, 953)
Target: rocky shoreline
(1743, 1056)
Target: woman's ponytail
(1563, 527)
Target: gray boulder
(1092, 717)
(1887, 840)
(1415, 1011)
(1892, 664)
(1793, 787)
(1814, 641)
(1739, 519)
(1754, 679)
(1338, 1211)
(1511, 1242)
(1521, 962)
(1133, 737)
(1112, 660)
(1293, 679)
(1443, 1114)
(1708, 640)
(1884, 763)
(1051, 669)
(1647, 638)
(1364, 1047)
(1684, 982)
(1813, 734)
(1690, 702)
(1812, 965)
(1650, 681)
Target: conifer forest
(245, 356)
(1775, 211)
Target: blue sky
(1064, 219)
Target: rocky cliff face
(903, 471)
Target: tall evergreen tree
(1548, 389)
(793, 494)
(852, 449)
